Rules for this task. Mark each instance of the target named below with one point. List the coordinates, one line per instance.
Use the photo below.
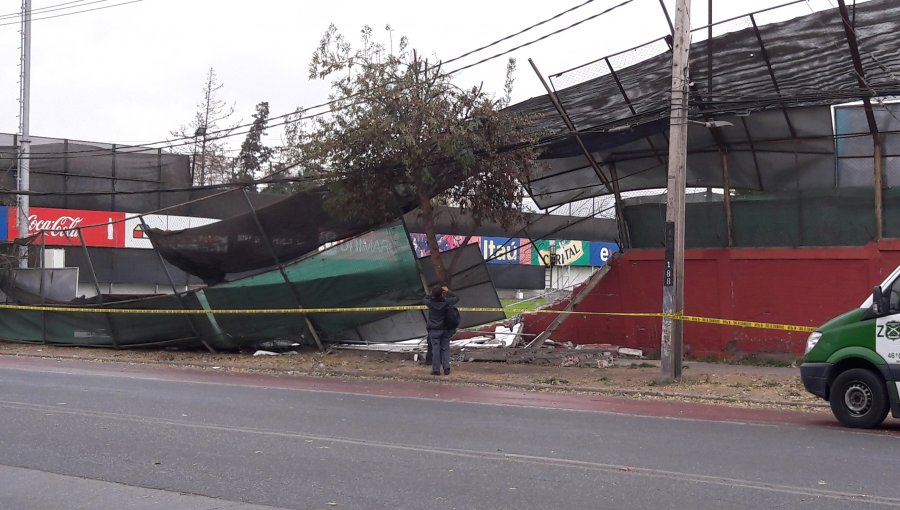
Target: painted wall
(801, 286)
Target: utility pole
(673, 281)
(22, 175)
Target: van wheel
(859, 399)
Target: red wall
(800, 286)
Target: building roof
(775, 83)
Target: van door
(887, 330)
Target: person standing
(440, 300)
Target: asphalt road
(87, 436)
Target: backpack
(451, 318)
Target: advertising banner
(502, 250)
(99, 228)
(600, 253)
(4, 221)
(445, 242)
(568, 253)
(134, 231)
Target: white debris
(265, 353)
(404, 346)
(625, 351)
(508, 337)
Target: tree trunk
(427, 211)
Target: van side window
(895, 297)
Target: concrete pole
(25, 140)
(673, 284)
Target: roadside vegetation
(513, 307)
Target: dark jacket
(437, 310)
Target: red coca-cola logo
(63, 226)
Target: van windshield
(886, 286)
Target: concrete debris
(635, 353)
(503, 337)
(501, 345)
(594, 358)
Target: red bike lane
(440, 388)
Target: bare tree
(210, 127)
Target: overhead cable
(73, 13)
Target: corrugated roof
(776, 84)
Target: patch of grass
(751, 360)
(764, 361)
(642, 365)
(513, 307)
(554, 381)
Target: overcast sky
(133, 72)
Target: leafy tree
(401, 131)
(253, 153)
(209, 128)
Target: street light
(201, 131)
(711, 123)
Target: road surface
(81, 435)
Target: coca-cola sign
(64, 226)
(68, 226)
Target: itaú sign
(69, 226)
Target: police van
(853, 360)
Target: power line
(73, 13)
(48, 8)
(520, 32)
(556, 32)
(227, 133)
(190, 139)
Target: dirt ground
(717, 383)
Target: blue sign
(500, 250)
(4, 224)
(602, 252)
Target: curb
(627, 393)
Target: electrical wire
(190, 139)
(556, 32)
(48, 8)
(520, 32)
(73, 13)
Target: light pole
(201, 131)
(24, 166)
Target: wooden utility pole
(673, 280)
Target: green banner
(568, 253)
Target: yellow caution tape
(248, 311)
(269, 311)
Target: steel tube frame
(90, 263)
(850, 34)
(768, 62)
(191, 318)
(287, 281)
(611, 186)
(42, 291)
